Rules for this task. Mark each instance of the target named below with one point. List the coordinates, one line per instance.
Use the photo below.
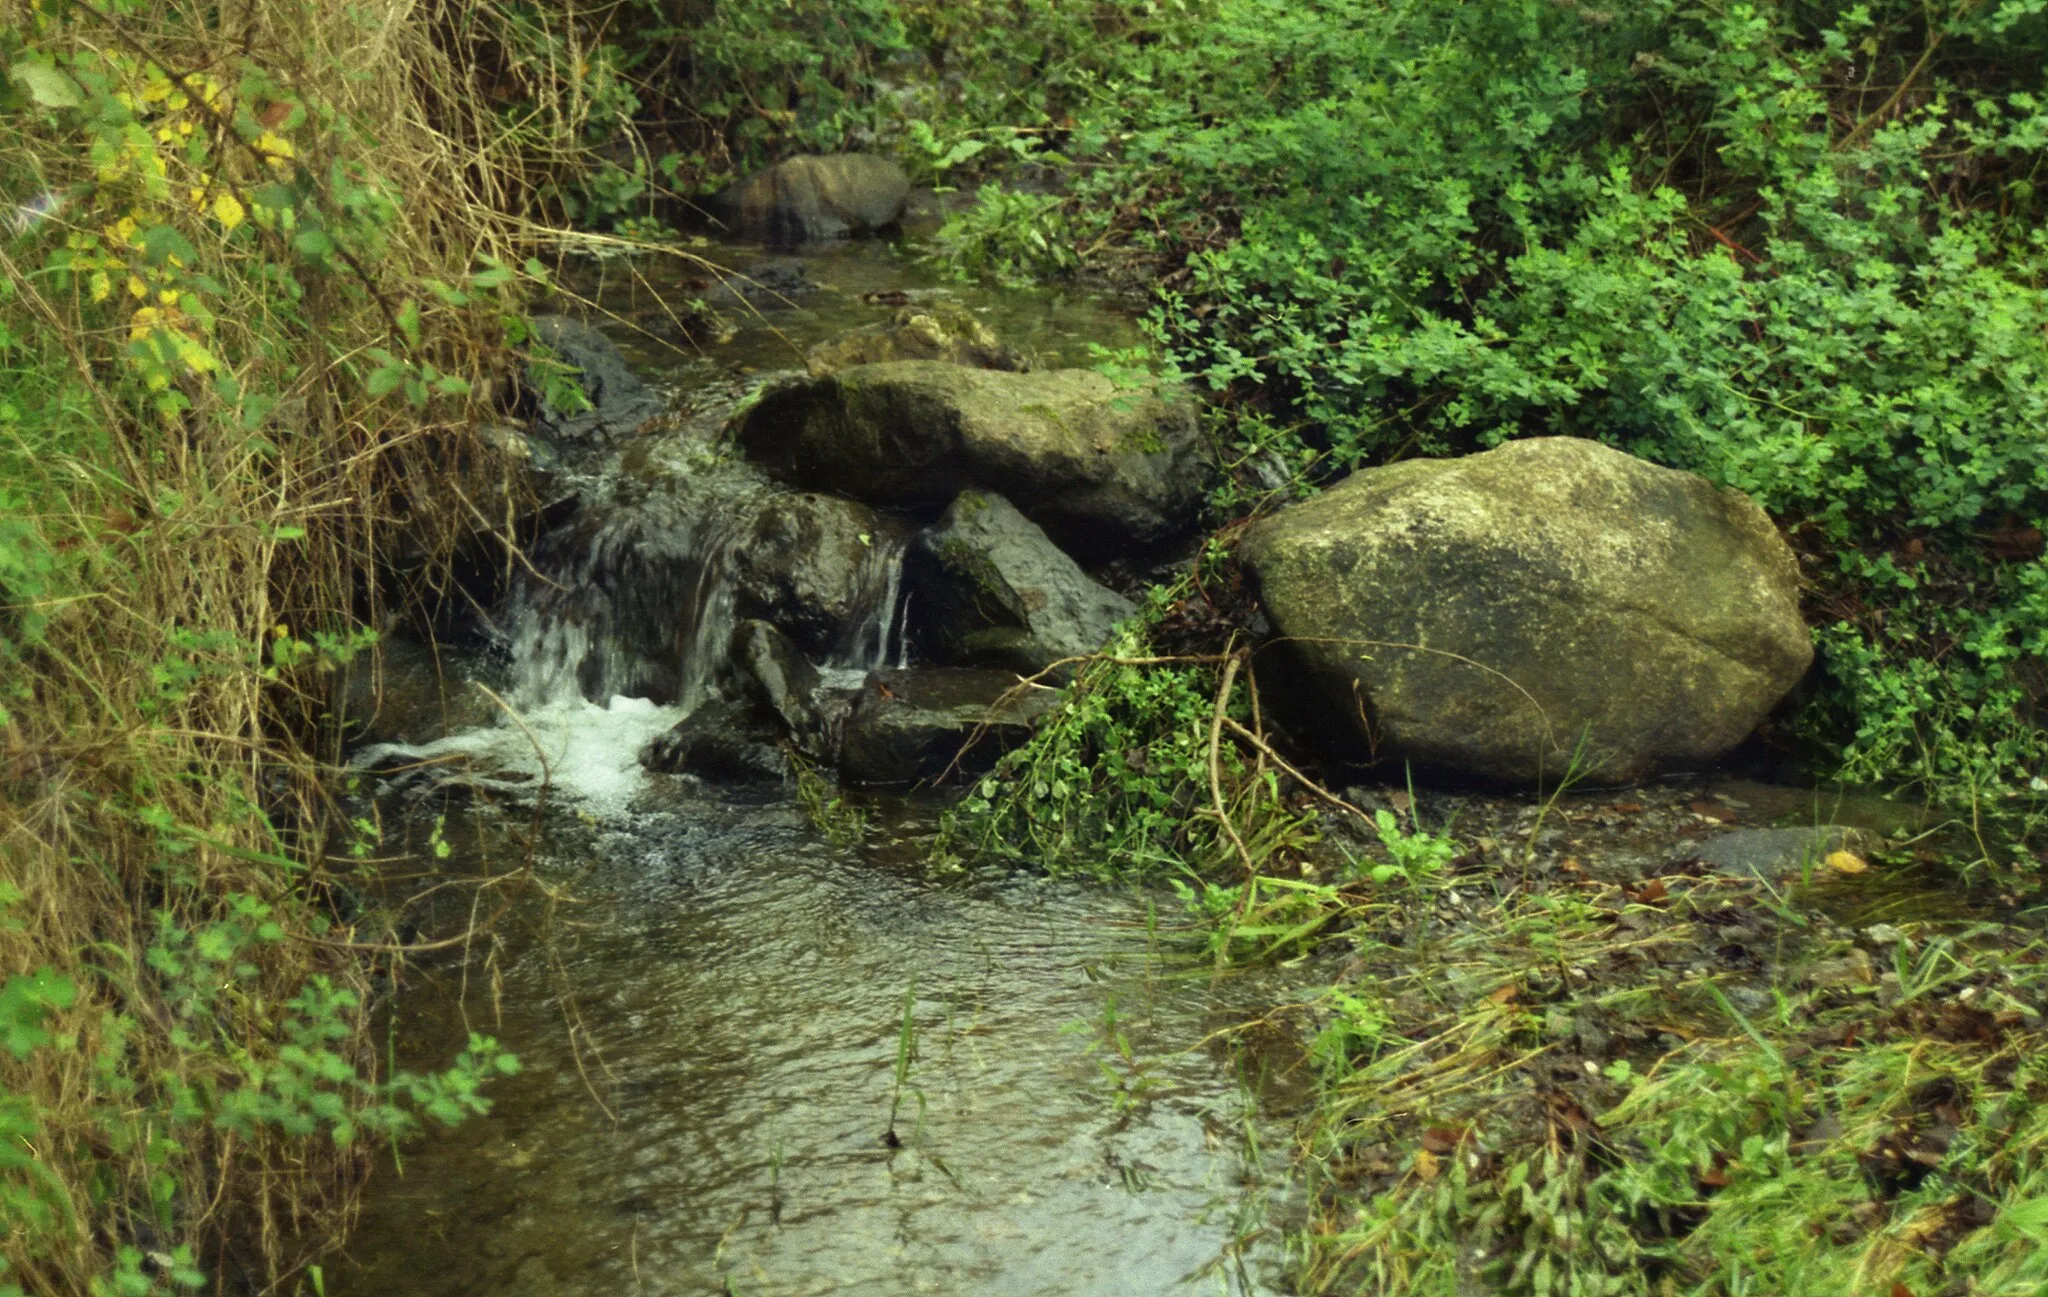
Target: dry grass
(176, 584)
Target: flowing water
(757, 1063)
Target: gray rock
(988, 588)
(720, 742)
(814, 565)
(619, 401)
(812, 197)
(1776, 853)
(778, 678)
(928, 724)
(937, 331)
(1103, 469)
(1495, 614)
(1853, 968)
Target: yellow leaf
(228, 210)
(1846, 862)
(102, 287)
(276, 148)
(136, 288)
(142, 323)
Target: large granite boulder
(812, 197)
(933, 724)
(1103, 469)
(934, 331)
(989, 588)
(618, 401)
(815, 566)
(1549, 605)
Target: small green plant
(906, 1056)
(1010, 237)
(1413, 858)
(843, 822)
(1125, 1077)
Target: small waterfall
(878, 635)
(623, 625)
(635, 598)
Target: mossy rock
(1102, 469)
(1550, 605)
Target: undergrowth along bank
(1794, 247)
(258, 270)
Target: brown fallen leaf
(1715, 811)
(1440, 1140)
(1504, 994)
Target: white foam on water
(569, 749)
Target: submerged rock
(931, 724)
(1103, 469)
(1546, 606)
(989, 588)
(937, 331)
(812, 197)
(814, 566)
(1777, 853)
(722, 742)
(619, 401)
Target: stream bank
(714, 1016)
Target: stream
(718, 1011)
(758, 1059)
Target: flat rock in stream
(933, 724)
(989, 588)
(1778, 853)
(1104, 469)
(619, 401)
(932, 331)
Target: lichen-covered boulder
(817, 196)
(989, 588)
(1551, 605)
(1103, 469)
(935, 331)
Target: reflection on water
(711, 1030)
(715, 1119)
